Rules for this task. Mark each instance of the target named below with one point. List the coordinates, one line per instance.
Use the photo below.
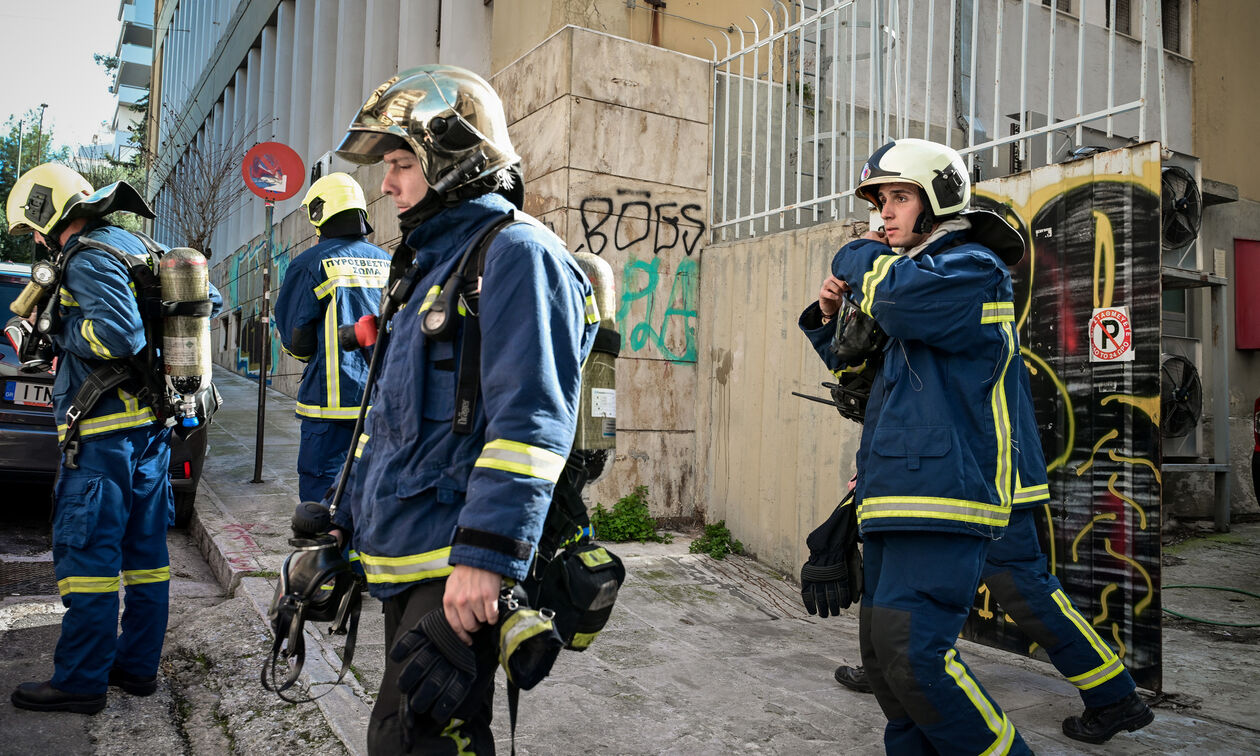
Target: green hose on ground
(1213, 622)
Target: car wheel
(184, 507)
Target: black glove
(441, 672)
(831, 579)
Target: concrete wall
(772, 465)
(614, 139)
(1226, 108)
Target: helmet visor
(364, 147)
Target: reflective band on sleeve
(67, 299)
(592, 311)
(935, 508)
(523, 459)
(997, 312)
(1031, 494)
(406, 569)
(358, 449)
(873, 278)
(136, 577)
(88, 330)
(1005, 463)
(80, 584)
(429, 299)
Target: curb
(236, 560)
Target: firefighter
(113, 498)
(936, 460)
(440, 517)
(332, 284)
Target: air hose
(1213, 622)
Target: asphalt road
(208, 699)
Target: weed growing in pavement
(716, 542)
(628, 520)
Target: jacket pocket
(913, 444)
(78, 511)
(439, 381)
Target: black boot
(136, 685)
(42, 696)
(853, 678)
(1098, 725)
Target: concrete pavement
(713, 657)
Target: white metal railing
(804, 94)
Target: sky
(46, 57)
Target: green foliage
(629, 520)
(717, 542)
(37, 147)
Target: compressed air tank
(597, 413)
(185, 279)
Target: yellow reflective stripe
(463, 744)
(592, 310)
(1111, 664)
(137, 577)
(1005, 464)
(406, 569)
(332, 363)
(88, 330)
(107, 423)
(583, 640)
(298, 357)
(353, 555)
(997, 721)
(933, 507)
(519, 627)
(515, 457)
(997, 312)
(327, 413)
(873, 278)
(1031, 493)
(429, 299)
(83, 584)
(358, 449)
(67, 299)
(352, 282)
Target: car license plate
(30, 394)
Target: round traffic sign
(273, 171)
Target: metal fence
(804, 94)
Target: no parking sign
(1111, 335)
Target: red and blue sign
(273, 171)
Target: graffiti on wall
(659, 282)
(1092, 245)
(243, 299)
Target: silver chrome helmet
(444, 114)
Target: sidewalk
(714, 657)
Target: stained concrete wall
(614, 141)
(772, 465)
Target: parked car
(28, 432)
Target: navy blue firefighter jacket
(100, 320)
(332, 284)
(423, 498)
(938, 449)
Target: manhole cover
(27, 579)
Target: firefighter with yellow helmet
(475, 409)
(113, 495)
(334, 283)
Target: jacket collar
(446, 234)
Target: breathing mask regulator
(315, 584)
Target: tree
(21, 248)
(204, 188)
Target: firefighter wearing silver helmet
(443, 506)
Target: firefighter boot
(1098, 725)
(853, 678)
(42, 696)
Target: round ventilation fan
(1182, 208)
(1181, 396)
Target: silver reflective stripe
(523, 459)
(406, 569)
(933, 507)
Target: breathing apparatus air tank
(185, 279)
(597, 413)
